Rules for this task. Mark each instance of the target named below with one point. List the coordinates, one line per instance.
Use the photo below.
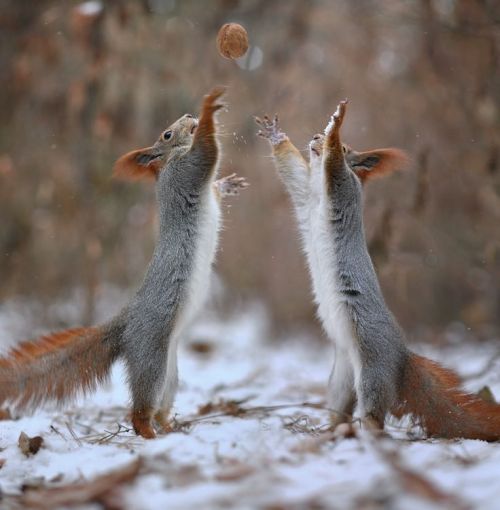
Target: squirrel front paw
(230, 185)
(211, 102)
(337, 118)
(270, 130)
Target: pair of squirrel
(373, 368)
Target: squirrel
(373, 368)
(184, 163)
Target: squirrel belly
(330, 301)
(204, 255)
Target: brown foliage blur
(83, 83)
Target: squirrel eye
(167, 135)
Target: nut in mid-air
(232, 40)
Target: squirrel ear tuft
(139, 164)
(376, 163)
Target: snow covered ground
(245, 439)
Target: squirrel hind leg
(341, 398)
(171, 383)
(147, 379)
(373, 401)
(373, 423)
(344, 415)
(142, 423)
(163, 421)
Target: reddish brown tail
(57, 366)
(433, 395)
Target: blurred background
(82, 83)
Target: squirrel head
(147, 163)
(365, 165)
(316, 147)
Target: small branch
(73, 435)
(58, 433)
(248, 411)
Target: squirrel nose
(188, 116)
(317, 137)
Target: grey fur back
(383, 353)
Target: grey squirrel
(373, 368)
(184, 162)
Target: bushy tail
(432, 394)
(58, 366)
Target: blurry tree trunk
(87, 30)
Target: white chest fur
(206, 247)
(322, 261)
(197, 287)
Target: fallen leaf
(486, 394)
(229, 407)
(33, 483)
(235, 472)
(56, 479)
(5, 414)
(201, 347)
(185, 475)
(104, 489)
(29, 445)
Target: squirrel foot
(270, 130)
(337, 419)
(165, 425)
(141, 421)
(345, 430)
(374, 425)
(211, 102)
(230, 185)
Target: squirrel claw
(231, 185)
(210, 101)
(144, 429)
(270, 129)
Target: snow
(269, 457)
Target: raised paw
(211, 102)
(337, 118)
(230, 185)
(270, 129)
